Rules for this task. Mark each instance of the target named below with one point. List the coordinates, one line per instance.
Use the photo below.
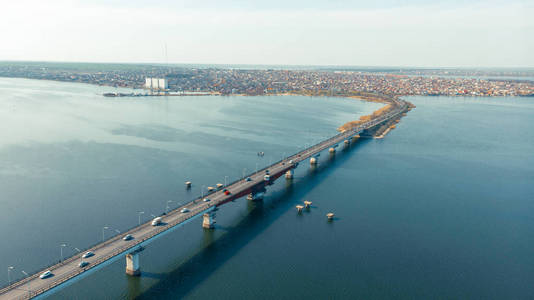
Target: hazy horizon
(158, 63)
(412, 33)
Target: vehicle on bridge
(83, 264)
(156, 221)
(266, 177)
(206, 200)
(88, 254)
(128, 237)
(46, 274)
(184, 210)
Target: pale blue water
(440, 208)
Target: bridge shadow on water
(216, 251)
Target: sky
(415, 33)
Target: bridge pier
(332, 150)
(289, 174)
(132, 262)
(313, 161)
(255, 196)
(208, 220)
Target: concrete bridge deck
(114, 248)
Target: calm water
(440, 208)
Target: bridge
(115, 248)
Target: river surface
(440, 208)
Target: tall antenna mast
(166, 58)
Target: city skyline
(407, 34)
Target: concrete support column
(313, 161)
(208, 220)
(289, 174)
(132, 264)
(255, 196)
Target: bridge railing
(60, 279)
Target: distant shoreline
(253, 82)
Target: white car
(128, 237)
(184, 210)
(206, 200)
(46, 274)
(88, 254)
(156, 221)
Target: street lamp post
(140, 213)
(61, 246)
(225, 180)
(9, 274)
(81, 256)
(29, 290)
(244, 171)
(104, 228)
(167, 207)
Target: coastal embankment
(391, 104)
